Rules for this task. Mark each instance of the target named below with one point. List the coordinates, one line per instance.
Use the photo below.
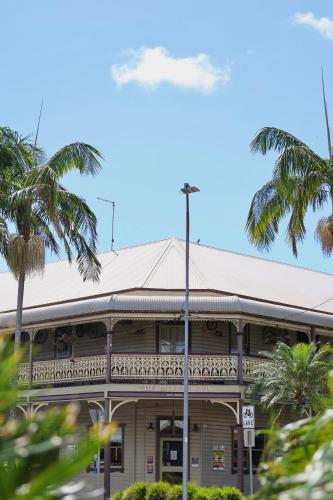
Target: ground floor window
(116, 450)
(257, 451)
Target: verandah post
(240, 325)
(108, 376)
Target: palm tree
(293, 378)
(42, 211)
(301, 180)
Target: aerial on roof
(160, 266)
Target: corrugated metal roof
(160, 266)
(116, 304)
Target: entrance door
(171, 460)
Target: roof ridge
(194, 266)
(158, 261)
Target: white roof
(160, 266)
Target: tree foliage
(301, 180)
(31, 465)
(303, 456)
(293, 379)
(42, 211)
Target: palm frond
(3, 236)
(273, 139)
(293, 378)
(88, 264)
(299, 159)
(268, 207)
(77, 156)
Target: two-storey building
(117, 346)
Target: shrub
(165, 491)
(215, 493)
(175, 492)
(136, 491)
(158, 491)
(230, 493)
(191, 490)
(118, 495)
(201, 493)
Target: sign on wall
(218, 458)
(248, 417)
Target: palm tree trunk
(19, 312)
(18, 326)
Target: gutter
(167, 304)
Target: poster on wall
(218, 457)
(150, 459)
(195, 462)
(150, 468)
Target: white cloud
(324, 25)
(150, 67)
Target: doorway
(171, 460)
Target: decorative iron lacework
(202, 367)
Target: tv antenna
(113, 208)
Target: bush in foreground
(165, 491)
(31, 465)
(136, 491)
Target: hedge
(165, 491)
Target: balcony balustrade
(139, 367)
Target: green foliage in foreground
(30, 467)
(294, 379)
(302, 468)
(165, 491)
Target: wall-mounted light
(195, 428)
(150, 427)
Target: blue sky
(261, 66)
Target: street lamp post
(187, 190)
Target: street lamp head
(187, 189)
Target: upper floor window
(171, 339)
(302, 338)
(62, 342)
(233, 339)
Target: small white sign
(173, 455)
(249, 438)
(248, 417)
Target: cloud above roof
(150, 67)
(324, 25)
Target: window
(116, 450)
(233, 339)
(302, 338)
(171, 338)
(234, 451)
(172, 426)
(63, 342)
(257, 451)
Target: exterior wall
(141, 336)
(215, 423)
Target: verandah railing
(139, 367)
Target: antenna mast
(37, 132)
(326, 116)
(113, 210)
